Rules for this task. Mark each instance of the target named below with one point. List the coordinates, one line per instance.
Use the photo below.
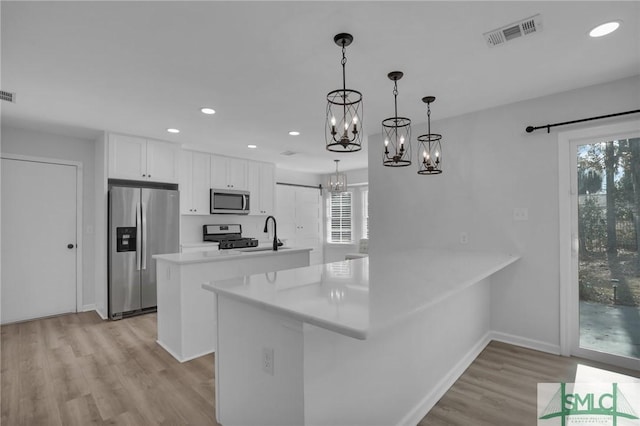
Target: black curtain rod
(300, 186)
(530, 129)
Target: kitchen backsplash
(191, 226)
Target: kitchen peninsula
(186, 313)
(351, 342)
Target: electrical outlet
(267, 360)
(464, 238)
(520, 214)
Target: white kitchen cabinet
(299, 216)
(194, 183)
(136, 158)
(262, 187)
(187, 324)
(227, 172)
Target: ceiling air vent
(7, 96)
(518, 29)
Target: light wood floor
(79, 370)
(500, 386)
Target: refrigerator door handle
(144, 236)
(138, 236)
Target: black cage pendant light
(343, 129)
(396, 132)
(430, 154)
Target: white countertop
(220, 255)
(341, 296)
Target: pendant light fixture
(430, 154)
(396, 132)
(343, 129)
(337, 182)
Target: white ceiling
(266, 67)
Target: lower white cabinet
(194, 183)
(187, 319)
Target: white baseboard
(102, 314)
(427, 403)
(179, 358)
(197, 356)
(525, 342)
(90, 307)
(172, 353)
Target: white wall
(491, 166)
(0, 169)
(50, 145)
(101, 235)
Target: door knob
(70, 246)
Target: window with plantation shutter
(340, 220)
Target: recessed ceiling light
(252, 146)
(173, 130)
(207, 110)
(294, 133)
(604, 29)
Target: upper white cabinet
(262, 187)
(137, 158)
(227, 172)
(194, 183)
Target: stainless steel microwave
(229, 201)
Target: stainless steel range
(229, 236)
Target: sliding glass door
(605, 199)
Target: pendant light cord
(395, 98)
(344, 85)
(429, 124)
(395, 104)
(344, 62)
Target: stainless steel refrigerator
(143, 221)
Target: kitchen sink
(262, 248)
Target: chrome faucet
(275, 233)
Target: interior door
(286, 213)
(38, 239)
(308, 221)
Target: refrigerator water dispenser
(126, 238)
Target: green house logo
(588, 404)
